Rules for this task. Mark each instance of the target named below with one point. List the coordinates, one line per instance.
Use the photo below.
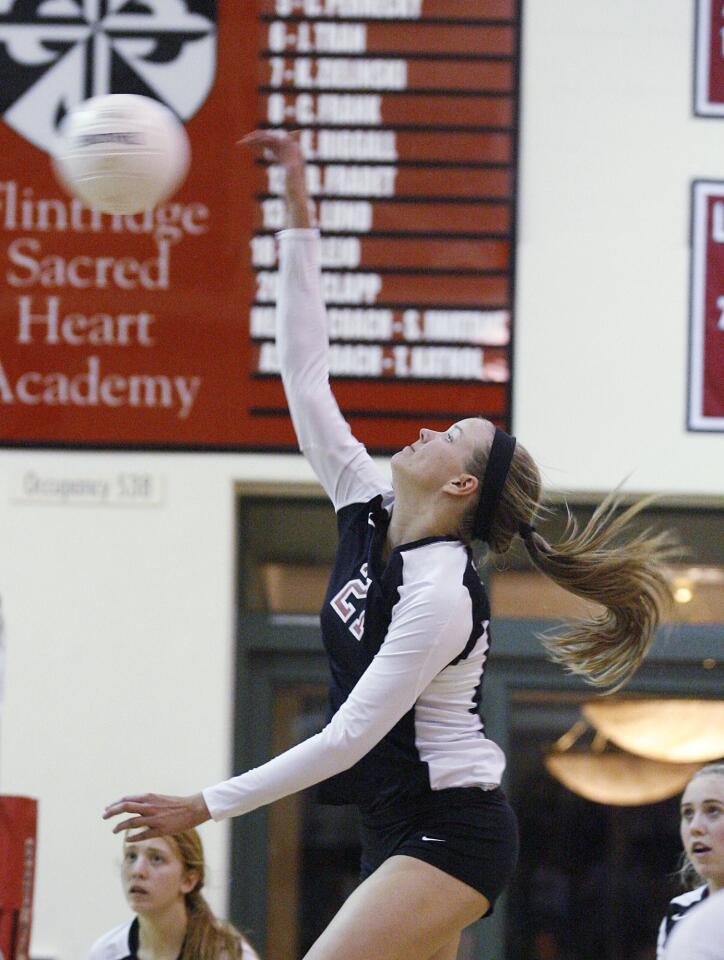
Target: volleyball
(121, 153)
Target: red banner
(18, 828)
(706, 343)
(709, 67)
(157, 330)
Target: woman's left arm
(427, 631)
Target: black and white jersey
(701, 935)
(121, 943)
(678, 908)
(407, 638)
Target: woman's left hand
(161, 816)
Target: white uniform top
(700, 934)
(675, 912)
(407, 643)
(118, 944)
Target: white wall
(120, 619)
(119, 674)
(609, 148)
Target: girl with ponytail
(406, 627)
(162, 880)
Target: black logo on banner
(56, 53)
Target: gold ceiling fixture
(642, 751)
(618, 779)
(667, 730)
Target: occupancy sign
(157, 330)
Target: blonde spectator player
(702, 836)
(163, 880)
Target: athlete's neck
(410, 522)
(161, 936)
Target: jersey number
(345, 610)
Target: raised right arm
(340, 461)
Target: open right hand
(158, 815)
(284, 148)
(277, 145)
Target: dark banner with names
(157, 330)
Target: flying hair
(602, 562)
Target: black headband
(496, 472)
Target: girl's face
(702, 827)
(438, 457)
(154, 878)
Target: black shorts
(470, 833)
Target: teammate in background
(406, 627)
(702, 835)
(162, 880)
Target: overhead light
(683, 593)
(667, 730)
(618, 779)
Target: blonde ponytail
(623, 574)
(626, 579)
(207, 938)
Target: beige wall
(609, 148)
(119, 673)
(120, 619)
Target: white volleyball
(122, 153)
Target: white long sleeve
(345, 469)
(429, 628)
